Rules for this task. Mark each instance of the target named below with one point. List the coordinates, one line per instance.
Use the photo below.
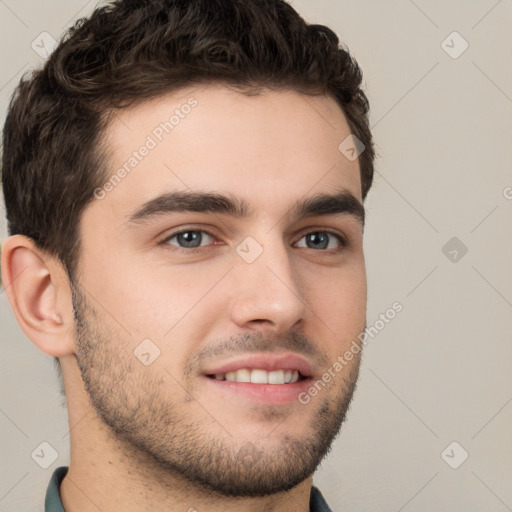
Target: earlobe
(38, 290)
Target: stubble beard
(157, 437)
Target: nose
(266, 294)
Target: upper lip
(262, 361)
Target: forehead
(269, 149)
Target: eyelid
(342, 239)
(165, 240)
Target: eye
(323, 240)
(189, 239)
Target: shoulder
(317, 502)
(52, 502)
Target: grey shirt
(53, 502)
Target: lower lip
(270, 394)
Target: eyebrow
(343, 202)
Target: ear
(39, 292)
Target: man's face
(170, 327)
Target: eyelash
(341, 239)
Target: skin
(136, 430)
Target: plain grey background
(438, 240)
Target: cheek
(163, 312)
(145, 300)
(338, 293)
(339, 307)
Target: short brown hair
(128, 51)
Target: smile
(259, 376)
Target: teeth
(257, 376)
(276, 377)
(243, 375)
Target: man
(184, 184)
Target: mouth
(265, 378)
(259, 376)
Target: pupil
(317, 239)
(189, 237)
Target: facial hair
(152, 425)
